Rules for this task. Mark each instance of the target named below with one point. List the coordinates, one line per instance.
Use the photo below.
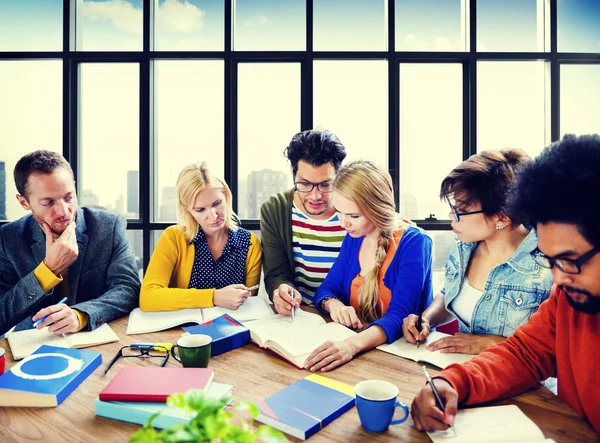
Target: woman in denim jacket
(492, 283)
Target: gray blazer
(103, 281)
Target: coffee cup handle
(174, 354)
(402, 406)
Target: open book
(294, 341)
(491, 424)
(24, 343)
(402, 348)
(142, 322)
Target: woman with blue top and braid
(206, 259)
(383, 271)
(492, 284)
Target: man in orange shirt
(559, 193)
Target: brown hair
(45, 162)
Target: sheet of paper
(254, 308)
(101, 335)
(303, 344)
(23, 343)
(278, 325)
(490, 424)
(141, 322)
(404, 349)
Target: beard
(311, 212)
(590, 306)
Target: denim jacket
(513, 290)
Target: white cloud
(415, 43)
(121, 14)
(257, 20)
(174, 15)
(180, 16)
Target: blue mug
(376, 403)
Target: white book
(141, 322)
(294, 341)
(404, 349)
(24, 343)
(491, 424)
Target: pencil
(438, 399)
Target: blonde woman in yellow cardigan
(206, 259)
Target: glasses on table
(143, 350)
(324, 187)
(566, 265)
(458, 214)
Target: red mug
(2, 360)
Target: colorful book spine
(227, 334)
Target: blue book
(47, 377)
(227, 333)
(140, 412)
(304, 407)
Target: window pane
(579, 99)
(511, 25)
(350, 25)
(110, 131)
(109, 25)
(268, 117)
(269, 25)
(189, 25)
(430, 128)
(137, 246)
(511, 106)
(442, 242)
(33, 25)
(430, 25)
(189, 124)
(578, 25)
(30, 119)
(351, 100)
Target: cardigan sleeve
(156, 295)
(412, 280)
(253, 262)
(333, 285)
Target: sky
(350, 97)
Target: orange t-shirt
(385, 295)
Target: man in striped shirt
(300, 230)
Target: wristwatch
(322, 304)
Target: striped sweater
(316, 245)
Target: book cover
(304, 407)
(226, 332)
(46, 377)
(140, 412)
(154, 384)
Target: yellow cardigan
(165, 285)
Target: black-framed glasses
(143, 350)
(324, 187)
(458, 214)
(566, 265)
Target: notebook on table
(294, 341)
(141, 322)
(493, 424)
(404, 349)
(304, 407)
(23, 343)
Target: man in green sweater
(300, 231)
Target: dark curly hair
(485, 178)
(562, 185)
(316, 147)
(38, 161)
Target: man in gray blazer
(60, 250)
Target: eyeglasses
(566, 265)
(324, 187)
(458, 214)
(143, 350)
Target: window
(579, 99)
(34, 25)
(114, 25)
(30, 118)
(578, 29)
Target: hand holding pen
(60, 318)
(415, 329)
(285, 298)
(435, 406)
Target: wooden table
(255, 374)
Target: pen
(438, 399)
(419, 328)
(252, 288)
(37, 322)
(293, 308)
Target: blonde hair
(193, 179)
(370, 187)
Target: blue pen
(37, 322)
